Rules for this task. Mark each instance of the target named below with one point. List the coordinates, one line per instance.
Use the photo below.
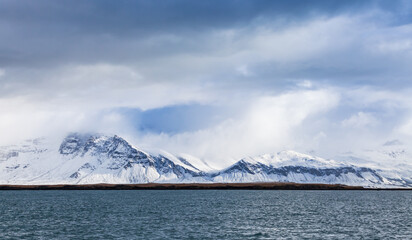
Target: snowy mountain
(88, 159)
(92, 158)
(290, 166)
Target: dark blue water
(207, 214)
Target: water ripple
(208, 214)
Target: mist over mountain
(97, 158)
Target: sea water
(205, 214)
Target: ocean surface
(205, 214)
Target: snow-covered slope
(290, 166)
(392, 160)
(86, 158)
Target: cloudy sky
(216, 79)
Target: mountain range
(97, 158)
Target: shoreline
(195, 186)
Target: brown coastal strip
(195, 186)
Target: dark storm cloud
(39, 33)
(125, 16)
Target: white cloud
(268, 124)
(305, 84)
(405, 128)
(360, 120)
